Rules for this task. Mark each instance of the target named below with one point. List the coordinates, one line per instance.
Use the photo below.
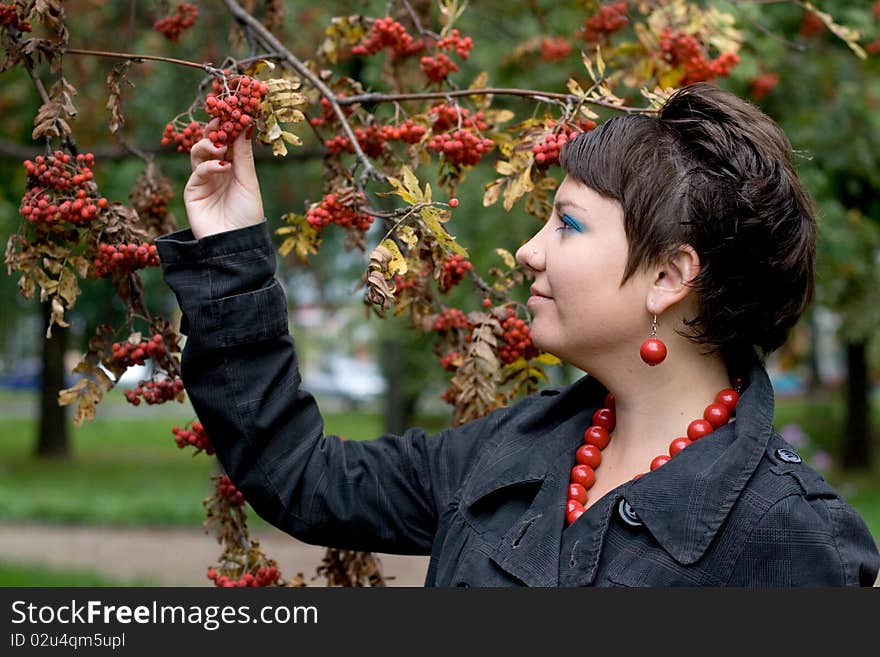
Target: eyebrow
(560, 205)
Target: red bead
(596, 435)
(583, 475)
(699, 428)
(638, 476)
(716, 414)
(578, 493)
(609, 401)
(653, 351)
(574, 515)
(678, 444)
(659, 460)
(604, 417)
(573, 505)
(729, 397)
(589, 455)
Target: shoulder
(801, 527)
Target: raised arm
(240, 370)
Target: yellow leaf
(573, 87)
(407, 235)
(67, 287)
(493, 191)
(481, 81)
(548, 359)
(289, 115)
(499, 116)
(505, 168)
(408, 190)
(506, 256)
(291, 138)
(600, 63)
(430, 217)
(397, 263)
(278, 148)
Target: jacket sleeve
(240, 370)
(799, 542)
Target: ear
(672, 280)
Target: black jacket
(486, 500)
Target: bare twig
(133, 56)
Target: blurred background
(93, 505)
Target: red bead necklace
(598, 435)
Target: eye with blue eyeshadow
(569, 222)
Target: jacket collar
(535, 442)
(683, 504)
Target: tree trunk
(399, 404)
(53, 439)
(856, 444)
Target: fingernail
(223, 163)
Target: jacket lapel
(540, 448)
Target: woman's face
(578, 306)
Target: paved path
(168, 556)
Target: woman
(688, 229)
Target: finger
(204, 151)
(243, 159)
(206, 171)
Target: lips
(537, 293)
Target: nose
(530, 255)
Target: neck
(654, 405)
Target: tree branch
(271, 43)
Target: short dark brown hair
(712, 171)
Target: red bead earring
(653, 350)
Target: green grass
(129, 471)
(123, 472)
(31, 575)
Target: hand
(222, 195)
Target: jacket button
(628, 514)
(788, 455)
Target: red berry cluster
(462, 147)
(60, 189)
(454, 267)
(127, 354)
(372, 139)
(461, 144)
(555, 48)
(183, 139)
(450, 318)
(388, 33)
(155, 392)
(763, 85)
(9, 18)
(195, 437)
(328, 116)
(461, 45)
(517, 339)
(331, 210)
(811, 25)
(682, 49)
(235, 105)
(444, 117)
(606, 21)
(438, 67)
(547, 152)
(263, 577)
(173, 25)
(228, 490)
(447, 362)
(124, 258)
